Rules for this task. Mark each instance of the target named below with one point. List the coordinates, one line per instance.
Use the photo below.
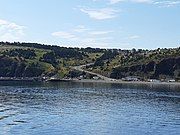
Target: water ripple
(81, 109)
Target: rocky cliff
(166, 68)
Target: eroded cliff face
(166, 68)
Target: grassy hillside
(34, 60)
(37, 60)
(158, 64)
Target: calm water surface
(88, 109)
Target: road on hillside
(80, 68)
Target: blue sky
(124, 24)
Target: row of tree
(27, 54)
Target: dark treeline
(60, 52)
(49, 57)
(27, 54)
(53, 47)
(13, 67)
(108, 55)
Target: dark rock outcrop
(169, 67)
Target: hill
(38, 60)
(143, 64)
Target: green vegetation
(158, 64)
(37, 60)
(27, 54)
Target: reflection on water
(88, 108)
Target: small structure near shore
(172, 80)
(96, 78)
(153, 80)
(131, 78)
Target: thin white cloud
(63, 35)
(142, 1)
(135, 1)
(115, 1)
(167, 3)
(81, 28)
(134, 37)
(159, 3)
(99, 32)
(10, 31)
(83, 37)
(100, 14)
(94, 42)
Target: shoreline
(90, 81)
(117, 82)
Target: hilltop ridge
(38, 60)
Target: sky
(123, 24)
